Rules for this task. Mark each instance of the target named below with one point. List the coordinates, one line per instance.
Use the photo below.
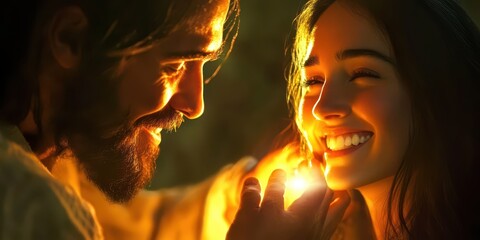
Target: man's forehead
(204, 16)
(189, 44)
(200, 30)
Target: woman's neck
(376, 197)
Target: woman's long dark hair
(437, 53)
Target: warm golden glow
(305, 42)
(295, 187)
(327, 168)
(298, 183)
(223, 198)
(217, 29)
(300, 172)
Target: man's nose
(332, 102)
(188, 97)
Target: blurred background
(245, 106)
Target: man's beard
(123, 163)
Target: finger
(249, 202)
(306, 206)
(273, 201)
(250, 198)
(246, 216)
(338, 206)
(322, 210)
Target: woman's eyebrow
(352, 53)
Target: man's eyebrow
(194, 55)
(351, 53)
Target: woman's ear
(66, 35)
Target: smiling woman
(384, 96)
(355, 111)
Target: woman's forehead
(340, 27)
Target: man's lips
(154, 134)
(168, 119)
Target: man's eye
(172, 69)
(313, 81)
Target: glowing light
(295, 187)
(298, 184)
(300, 172)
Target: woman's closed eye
(364, 73)
(313, 81)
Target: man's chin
(122, 163)
(120, 173)
(121, 189)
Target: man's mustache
(168, 119)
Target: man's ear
(66, 35)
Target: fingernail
(251, 181)
(279, 174)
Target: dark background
(245, 106)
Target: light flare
(300, 172)
(295, 187)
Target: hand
(315, 214)
(299, 170)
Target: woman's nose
(332, 103)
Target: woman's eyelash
(364, 73)
(312, 81)
(359, 73)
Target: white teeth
(339, 141)
(347, 140)
(329, 142)
(355, 139)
